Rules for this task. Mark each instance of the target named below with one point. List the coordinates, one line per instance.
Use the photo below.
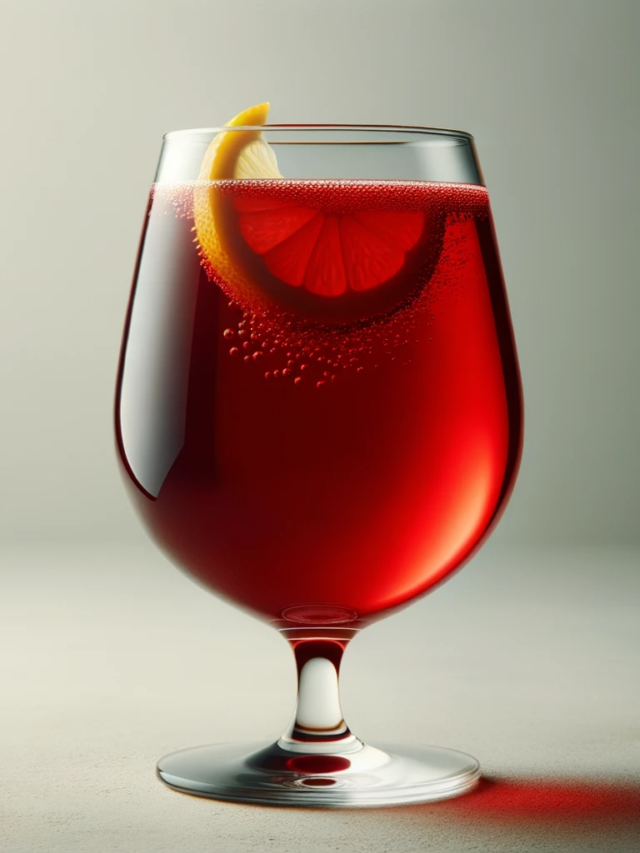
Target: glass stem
(318, 725)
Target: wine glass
(319, 414)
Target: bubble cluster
(294, 346)
(350, 196)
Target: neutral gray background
(528, 659)
(550, 88)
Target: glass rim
(418, 130)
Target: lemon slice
(241, 153)
(232, 154)
(284, 246)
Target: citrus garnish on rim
(323, 250)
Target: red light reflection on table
(552, 801)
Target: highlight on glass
(318, 412)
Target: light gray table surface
(528, 660)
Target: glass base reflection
(363, 776)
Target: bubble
(258, 354)
(228, 333)
(287, 371)
(241, 332)
(276, 373)
(247, 358)
(234, 351)
(333, 376)
(320, 383)
(298, 380)
(304, 367)
(360, 370)
(267, 375)
(246, 345)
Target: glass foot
(364, 776)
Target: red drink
(321, 457)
